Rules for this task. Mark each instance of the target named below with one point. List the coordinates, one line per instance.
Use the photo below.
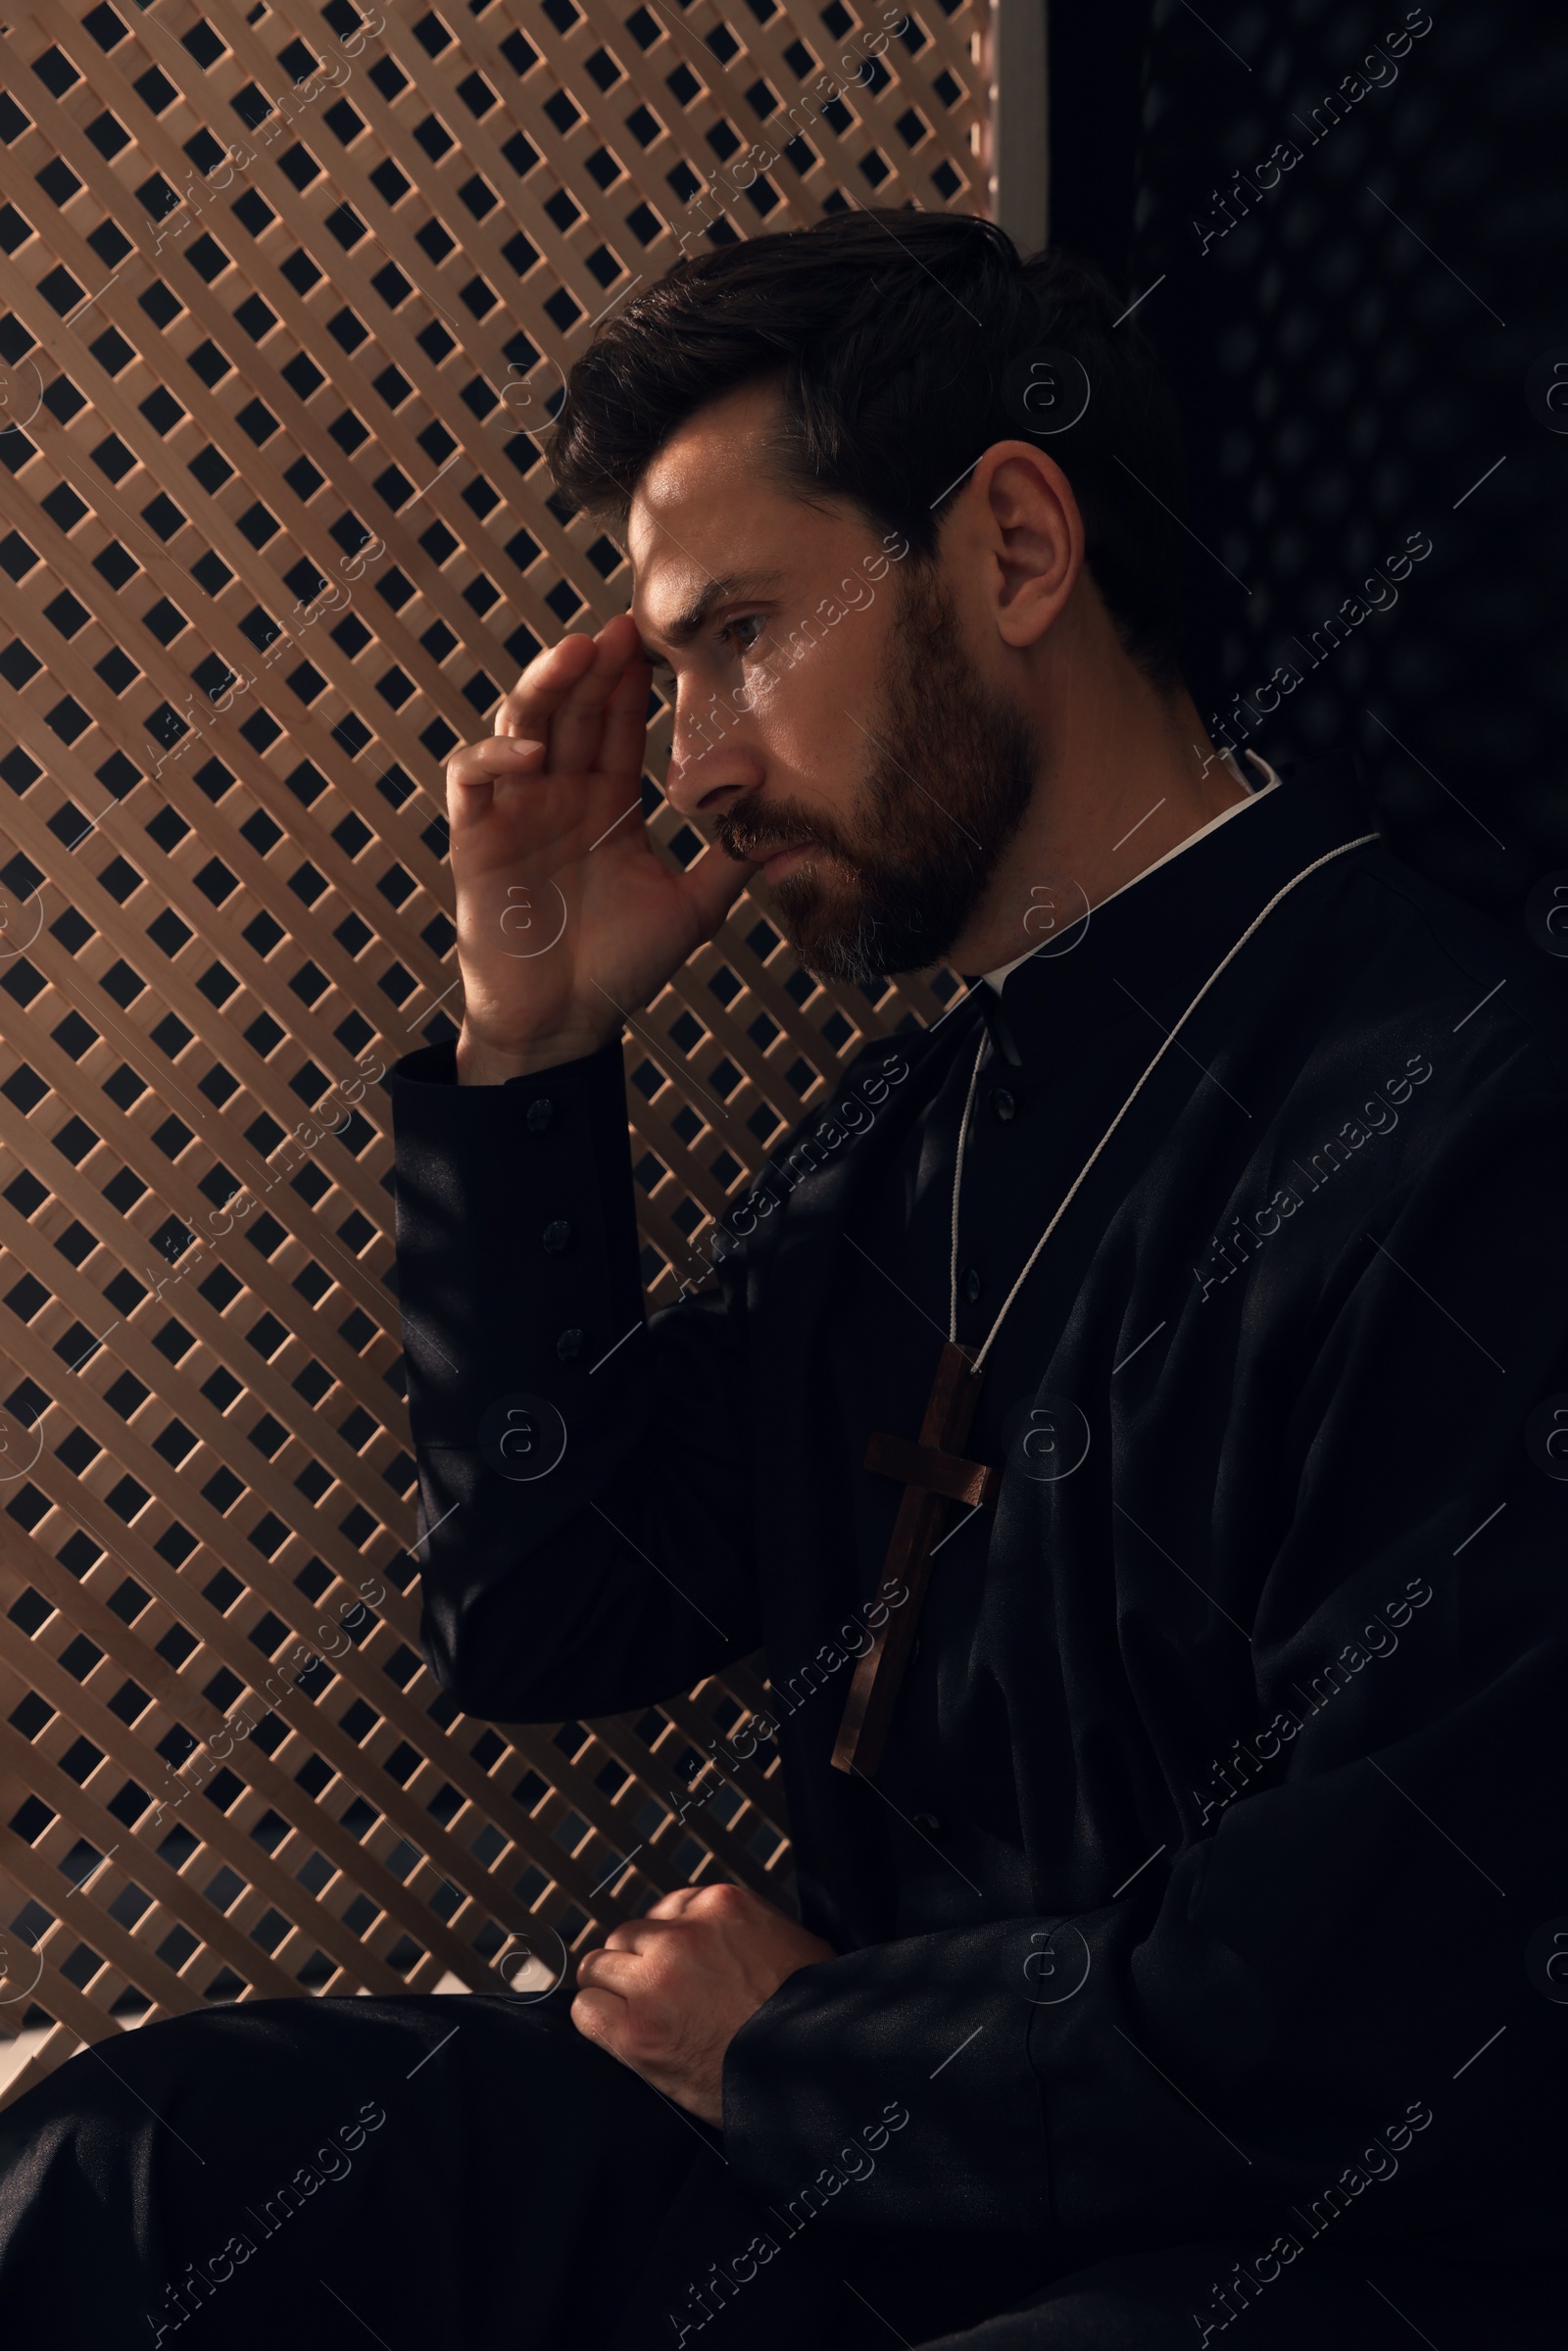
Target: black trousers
(467, 2173)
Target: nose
(708, 777)
(684, 790)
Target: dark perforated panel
(1354, 268)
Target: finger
(670, 1905)
(548, 675)
(623, 742)
(501, 754)
(538, 693)
(473, 775)
(600, 2017)
(709, 887)
(625, 2028)
(640, 1935)
(577, 730)
(619, 1971)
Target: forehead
(717, 473)
(712, 507)
(722, 446)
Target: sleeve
(1336, 2002)
(583, 1479)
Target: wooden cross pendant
(934, 1473)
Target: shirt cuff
(517, 1232)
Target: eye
(743, 631)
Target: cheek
(819, 721)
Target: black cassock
(1199, 1923)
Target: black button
(1003, 1103)
(558, 1237)
(972, 1285)
(568, 1347)
(929, 1824)
(541, 1115)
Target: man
(1171, 1712)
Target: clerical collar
(1255, 791)
(1146, 943)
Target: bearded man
(1126, 1414)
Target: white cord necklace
(1256, 924)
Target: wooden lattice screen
(286, 297)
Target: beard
(953, 771)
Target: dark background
(1341, 387)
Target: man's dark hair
(895, 339)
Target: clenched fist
(669, 1993)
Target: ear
(1030, 538)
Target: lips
(779, 861)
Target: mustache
(747, 833)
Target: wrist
(481, 1063)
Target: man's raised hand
(567, 918)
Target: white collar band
(1254, 792)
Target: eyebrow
(731, 587)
